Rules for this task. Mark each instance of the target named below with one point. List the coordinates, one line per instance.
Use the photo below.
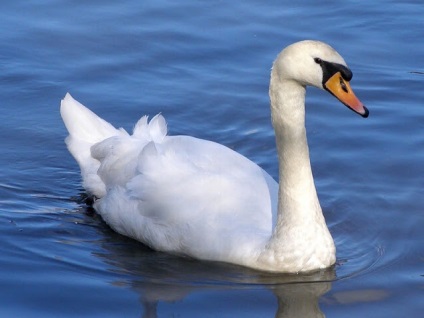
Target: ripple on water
(79, 231)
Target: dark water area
(205, 67)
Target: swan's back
(174, 193)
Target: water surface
(205, 66)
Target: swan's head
(317, 64)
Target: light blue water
(205, 66)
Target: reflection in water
(300, 300)
(294, 300)
(158, 277)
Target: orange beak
(341, 89)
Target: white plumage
(193, 197)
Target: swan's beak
(341, 89)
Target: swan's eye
(317, 60)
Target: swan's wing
(187, 196)
(176, 194)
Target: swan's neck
(298, 200)
(300, 226)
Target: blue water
(205, 66)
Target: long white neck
(300, 226)
(298, 200)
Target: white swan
(193, 197)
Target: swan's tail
(103, 160)
(85, 129)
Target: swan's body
(194, 197)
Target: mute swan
(197, 198)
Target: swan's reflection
(301, 299)
(159, 277)
(294, 299)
